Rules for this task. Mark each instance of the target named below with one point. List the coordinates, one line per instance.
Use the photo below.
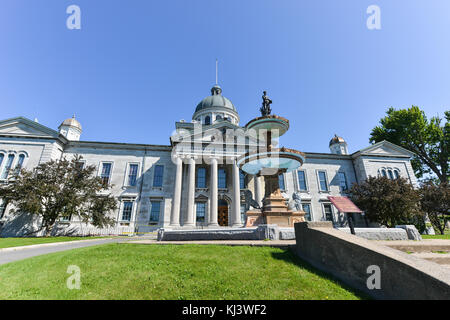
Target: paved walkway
(253, 243)
(18, 253)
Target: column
(175, 213)
(190, 219)
(213, 194)
(257, 189)
(236, 206)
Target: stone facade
(175, 198)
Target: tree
(57, 189)
(435, 201)
(388, 202)
(428, 139)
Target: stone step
(440, 258)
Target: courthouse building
(167, 186)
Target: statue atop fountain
(265, 109)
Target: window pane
(301, 181)
(201, 178)
(323, 181)
(2, 156)
(342, 181)
(155, 211)
(207, 120)
(106, 172)
(222, 183)
(328, 212)
(307, 208)
(383, 173)
(243, 213)
(241, 179)
(201, 211)
(132, 174)
(158, 177)
(8, 166)
(127, 209)
(281, 181)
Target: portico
(199, 186)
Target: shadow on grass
(288, 256)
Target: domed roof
(72, 122)
(215, 100)
(337, 139)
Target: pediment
(386, 148)
(25, 127)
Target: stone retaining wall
(353, 260)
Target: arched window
(7, 167)
(20, 163)
(207, 120)
(391, 175)
(396, 174)
(2, 156)
(383, 173)
(218, 118)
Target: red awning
(344, 205)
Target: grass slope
(133, 271)
(17, 242)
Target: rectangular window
(323, 184)
(302, 180)
(106, 172)
(222, 183)
(155, 211)
(201, 211)
(241, 179)
(243, 213)
(328, 212)
(158, 176)
(80, 165)
(127, 210)
(7, 167)
(307, 208)
(65, 218)
(201, 178)
(281, 182)
(342, 181)
(132, 175)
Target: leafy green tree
(435, 201)
(57, 189)
(388, 202)
(428, 139)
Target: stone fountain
(269, 162)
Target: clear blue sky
(136, 67)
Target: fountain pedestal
(275, 209)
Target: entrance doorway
(222, 213)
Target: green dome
(215, 100)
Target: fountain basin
(271, 162)
(276, 125)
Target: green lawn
(17, 242)
(133, 271)
(438, 235)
